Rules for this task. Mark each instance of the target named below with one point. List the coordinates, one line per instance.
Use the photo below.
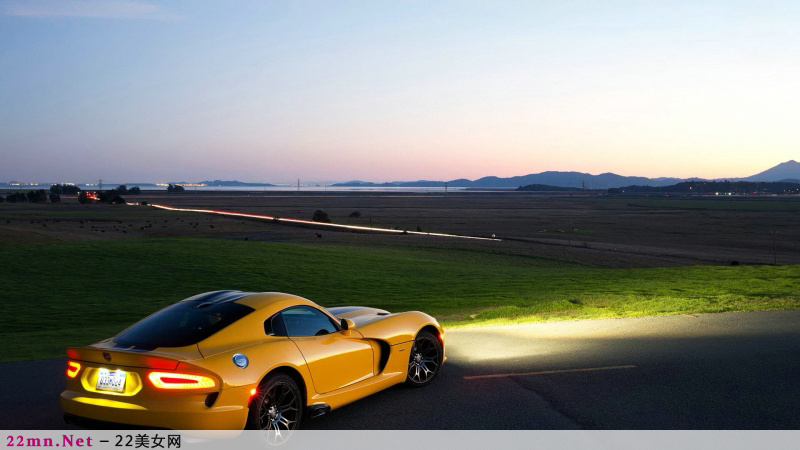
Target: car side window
(307, 321)
(274, 326)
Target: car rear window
(182, 324)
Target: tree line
(112, 196)
(35, 196)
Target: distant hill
(357, 183)
(577, 180)
(231, 183)
(790, 170)
(714, 187)
(572, 179)
(547, 188)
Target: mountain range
(788, 171)
(227, 183)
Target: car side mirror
(348, 324)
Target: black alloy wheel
(425, 359)
(277, 407)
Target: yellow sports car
(235, 360)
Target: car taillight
(73, 367)
(171, 380)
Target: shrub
(39, 196)
(111, 196)
(321, 216)
(16, 197)
(66, 189)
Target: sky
(137, 91)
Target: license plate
(111, 380)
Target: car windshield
(182, 324)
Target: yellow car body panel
(331, 369)
(337, 360)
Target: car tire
(277, 405)
(424, 359)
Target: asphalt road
(710, 371)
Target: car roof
(255, 300)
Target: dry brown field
(595, 230)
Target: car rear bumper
(228, 412)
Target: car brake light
(171, 380)
(160, 363)
(73, 367)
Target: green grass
(73, 293)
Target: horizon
(309, 182)
(125, 90)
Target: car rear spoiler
(152, 359)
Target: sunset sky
(380, 91)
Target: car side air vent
(383, 314)
(204, 305)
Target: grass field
(73, 293)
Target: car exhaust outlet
(315, 411)
(211, 399)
